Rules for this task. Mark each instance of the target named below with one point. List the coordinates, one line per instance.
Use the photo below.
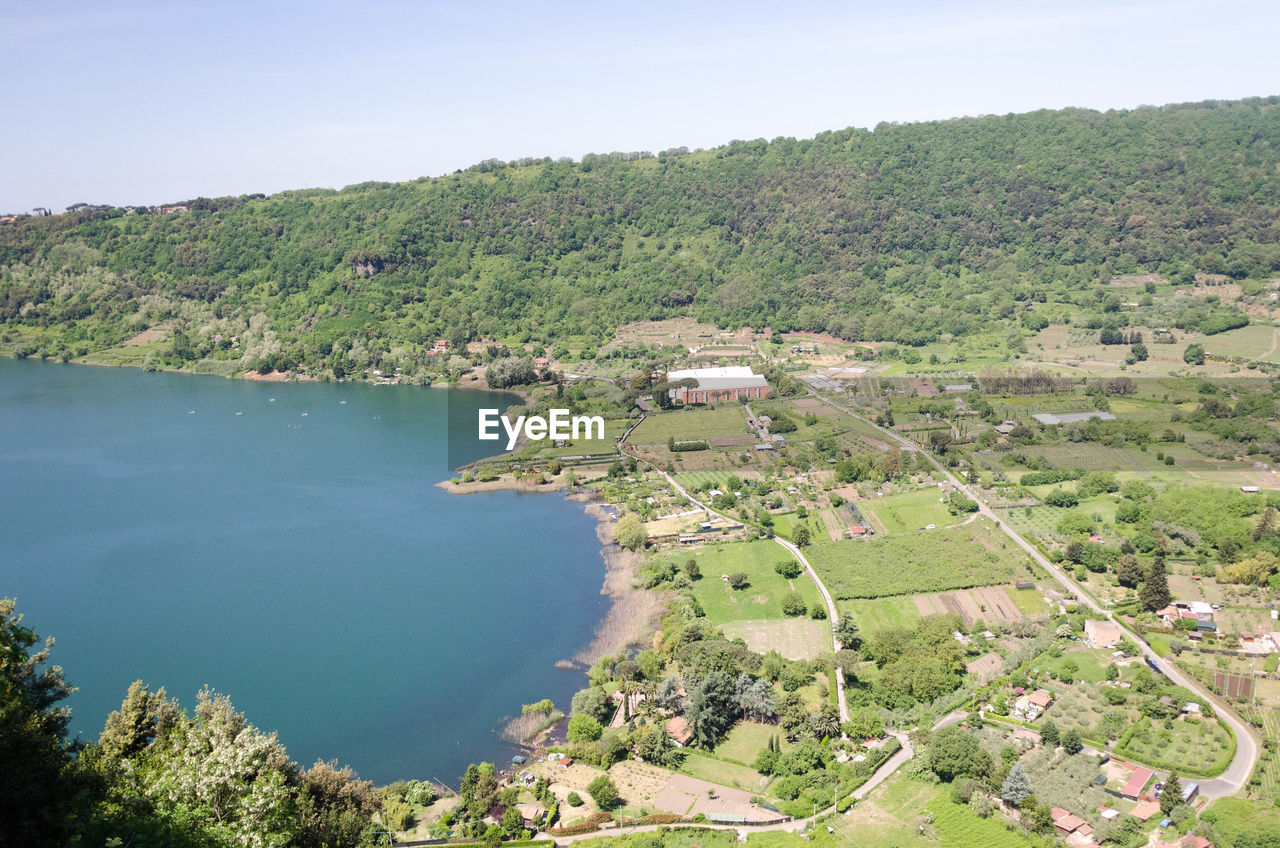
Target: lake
(285, 544)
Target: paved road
(1242, 765)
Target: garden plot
(989, 603)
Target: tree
(1071, 742)
(583, 728)
(1139, 351)
(141, 718)
(788, 568)
(1194, 354)
(1171, 795)
(738, 580)
(630, 533)
(711, 705)
(954, 751)
(864, 723)
(604, 792)
(592, 702)
(1154, 593)
(847, 632)
(36, 794)
(218, 768)
(793, 604)
(801, 536)
(1049, 734)
(1061, 498)
(1128, 571)
(1017, 786)
(692, 569)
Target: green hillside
(903, 233)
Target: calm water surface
(285, 544)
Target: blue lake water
(292, 553)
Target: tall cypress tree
(1154, 593)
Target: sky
(142, 103)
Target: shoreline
(631, 611)
(251, 376)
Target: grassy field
(1233, 817)
(794, 638)
(747, 739)
(954, 558)
(1030, 601)
(715, 479)
(691, 424)
(910, 510)
(762, 599)
(698, 764)
(882, 613)
(1091, 666)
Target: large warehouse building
(729, 383)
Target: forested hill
(900, 233)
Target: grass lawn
(691, 424)
(882, 613)
(747, 739)
(953, 558)
(910, 510)
(762, 598)
(1091, 666)
(698, 764)
(1030, 601)
(794, 638)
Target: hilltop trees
(1154, 593)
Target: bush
(818, 613)
(1061, 498)
(574, 799)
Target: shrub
(793, 604)
(789, 568)
(574, 799)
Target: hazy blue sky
(140, 103)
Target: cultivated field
(691, 424)
(991, 604)
(934, 561)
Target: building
(710, 384)
(679, 731)
(1030, 706)
(1102, 634)
(1133, 787)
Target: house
(1066, 822)
(1145, 810)
(1189, 792)
(1249, 490)
(1041, 698)
(1006, 427)
(1202, 611)
(1133, 787)
(1102, 634)
(725, 383)
(857, 530)
(541, 362)
(533, 814)
(441, 345)
(1029, 707)
(959, 388)
(679, 731)
(1024, 734)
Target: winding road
(1237, 774)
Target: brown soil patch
(989, 603)
(985, 667)
(158, 333)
